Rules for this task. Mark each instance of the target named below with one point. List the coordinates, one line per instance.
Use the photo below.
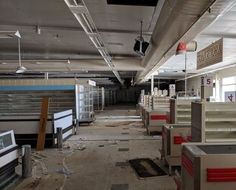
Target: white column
(152, 84)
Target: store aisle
(96, 158)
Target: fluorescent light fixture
(97, 43)
(20, 69)
(9, 34)
(73, 2)
(3, 63)
(81, 13)
(17, 34)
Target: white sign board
(172, 86)
(92, 83)
(207, 81)
(230, 96)
(210, 55)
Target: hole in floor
(145, 167)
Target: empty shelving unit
(156, 113)
(213, 122)
(180, 110)
(173, 135)
(74, 94)
(98, 98)
(208, 166)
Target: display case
(155, 119)
(208, 166)
(173, 135)
(8, 157)
(159, 102)
(213, 122)
(98, 98)
(180, 110)
(26, 126)
(86, 109)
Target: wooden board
(43, 124)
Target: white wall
(195, 83)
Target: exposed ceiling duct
(179, 20)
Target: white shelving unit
(86, 109)
(213, 122)
(159, 102)
(180, 110)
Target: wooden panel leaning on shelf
(173, 135)
(213, 122)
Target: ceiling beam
(69, 29)
(128, 64)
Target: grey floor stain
(125, 133)
(122, 164)
(124, 140)
(119, 186)
(123, 149)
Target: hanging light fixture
(181, 48)
(20, 68)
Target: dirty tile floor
(95, 158)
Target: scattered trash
(33, 185)
(64, 171)
(112, 142)
(83, 138)
(66, 146)
(81, 147)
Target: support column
(59, 138)
(26, 161)
(46, 76)
(152, 84)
